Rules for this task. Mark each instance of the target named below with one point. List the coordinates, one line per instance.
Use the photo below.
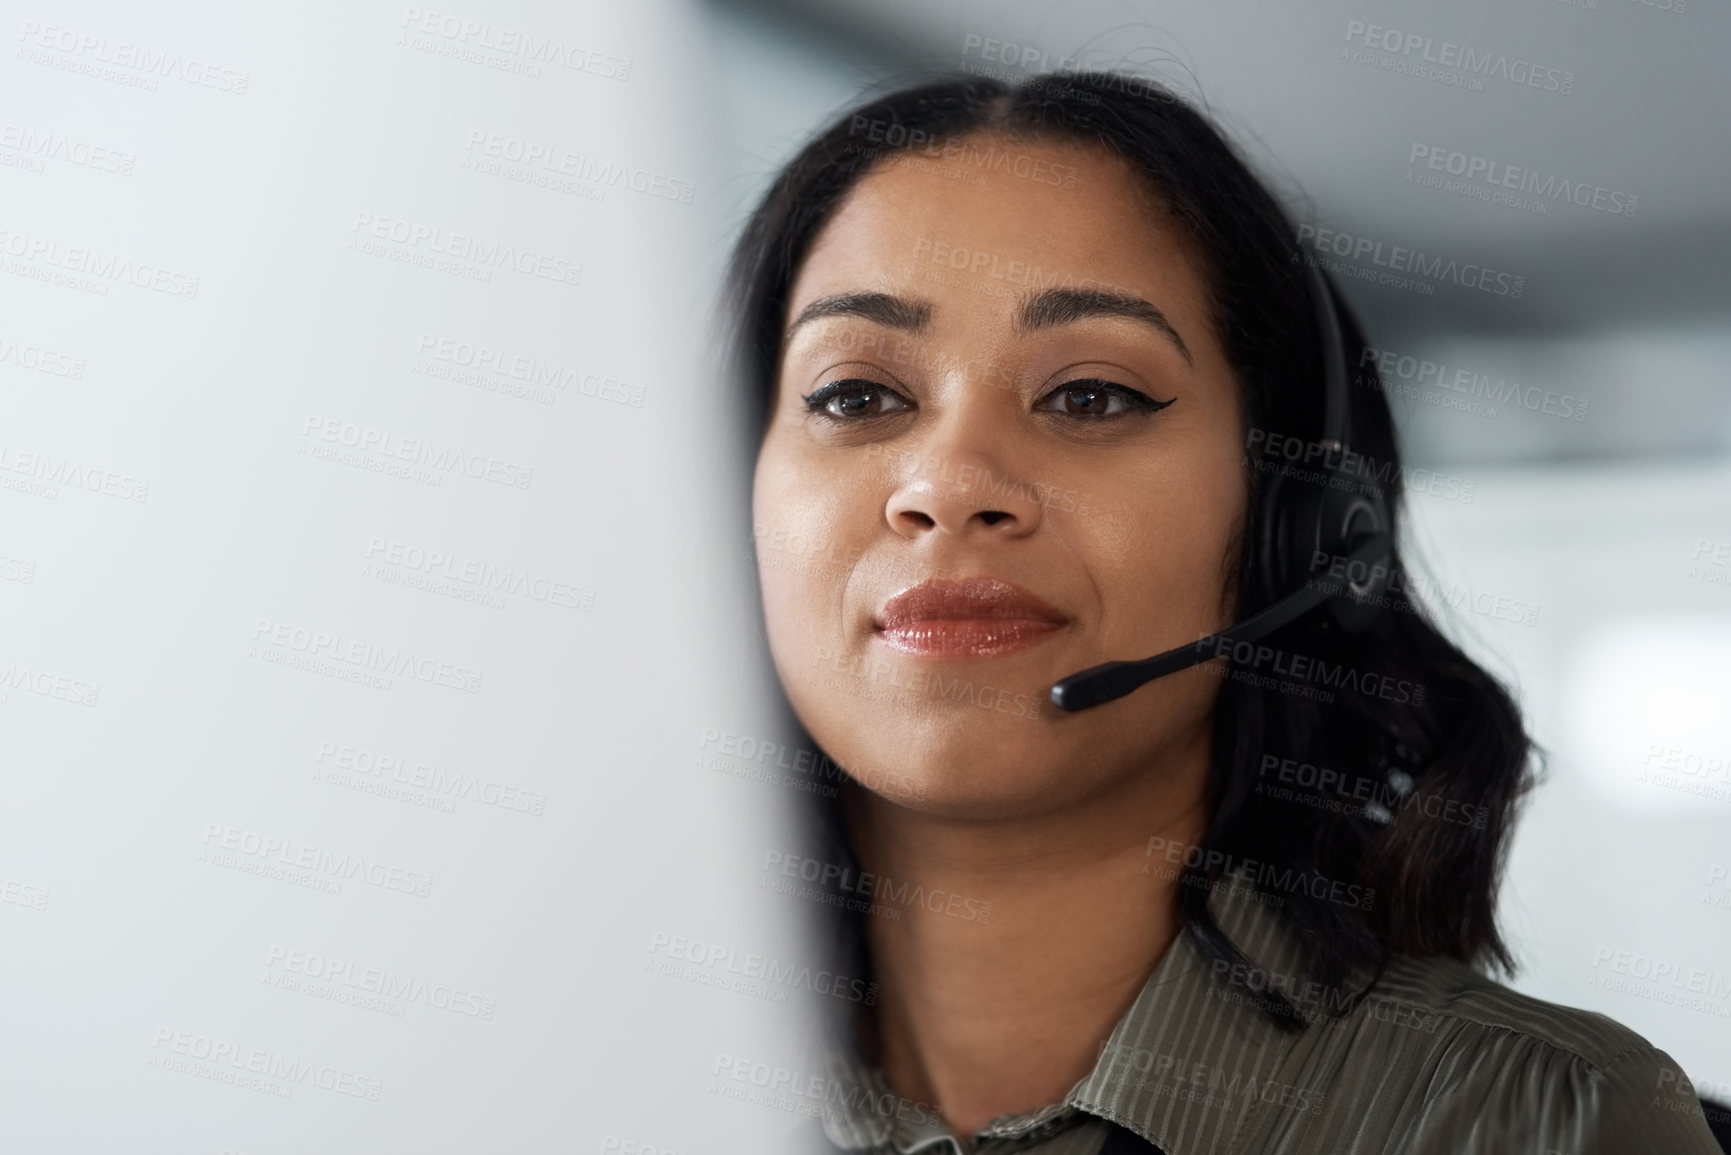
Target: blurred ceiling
(1648, 116)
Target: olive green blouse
(1435, 1060)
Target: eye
(1091, 397)
(855, 398)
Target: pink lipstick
(968, 618)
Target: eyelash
(817, 402)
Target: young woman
(1023, 365)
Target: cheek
(1163, 567)
(801, 534)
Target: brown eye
(1091, 397)
(855, 398)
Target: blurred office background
(1589, 567)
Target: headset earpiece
(1348, 517)
(1310, 527)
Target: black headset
(1331, 511)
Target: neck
(985, 1011)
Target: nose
(960, 492)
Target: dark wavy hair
(1463, 747)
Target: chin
(961, 768)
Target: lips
(967, 618)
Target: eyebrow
(882, 308)
(1067, 306)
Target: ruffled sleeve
(1494, 1092)
(1642, 1101)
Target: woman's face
(1016, 394)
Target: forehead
(1004, 216)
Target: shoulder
(1451, 990)
(1487, 1051)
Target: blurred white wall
(363, 688)
(1593, 592)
